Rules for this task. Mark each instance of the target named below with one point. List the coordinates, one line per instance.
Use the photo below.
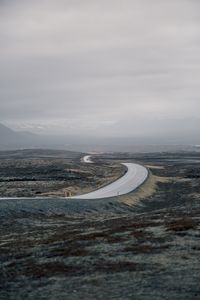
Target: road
(87, 159)
(134, 177)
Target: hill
(10, 139)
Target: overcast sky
(109, 67)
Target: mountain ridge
(10, 139)
(15, 140)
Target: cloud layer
(110, 67)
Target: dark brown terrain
(145, 245)
(38, 173)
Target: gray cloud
(110, 67)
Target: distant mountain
(10, 139)
(6, 132)
(13, 140)
(7, 136)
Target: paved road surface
(134, 177)
(87, 159)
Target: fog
(106, 68)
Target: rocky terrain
(32, 173)
(141, 246)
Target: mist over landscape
(101, 70)
(99, 149)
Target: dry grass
(155, 167)
(145, 191)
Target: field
(47, 173)
(141, 246)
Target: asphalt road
(134, 177)
(87, 159)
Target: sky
(114, 68)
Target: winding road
(87, 159)
(134, 177)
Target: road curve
(87, 159)
(134, 177)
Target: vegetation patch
(182, 225)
